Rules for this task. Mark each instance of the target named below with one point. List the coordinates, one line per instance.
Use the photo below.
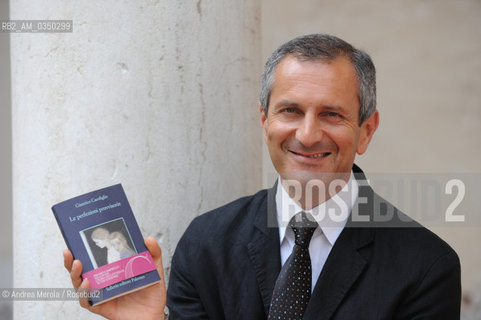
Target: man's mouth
(312, 155)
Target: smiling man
(277, 254)
(273, 255)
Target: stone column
(160, 96)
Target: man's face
(312, 127)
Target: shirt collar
(331, 215)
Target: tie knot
(303, 228)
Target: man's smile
(310, 155)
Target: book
(100, 230)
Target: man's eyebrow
(285, 103)
(292, 104)
(333, 108)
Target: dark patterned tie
(293, 286)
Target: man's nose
(309, 131)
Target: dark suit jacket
(226, 264)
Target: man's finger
(156, 253)
(75, 274)
(83, 300)
(67, 259)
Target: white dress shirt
(331, 216)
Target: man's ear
(368, 128)
(263, 121)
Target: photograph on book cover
(108, 242)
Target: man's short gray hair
(325, 48)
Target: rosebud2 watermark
(434, 200)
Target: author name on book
(93, 211)
(92, 200)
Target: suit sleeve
(183, 298)
(438, 295)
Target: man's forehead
(292, 61)
(338, 72)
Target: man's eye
(333, 115)
(289, 110)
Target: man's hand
(148, 303)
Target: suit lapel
(344, 264)
(264, 248)
(341, 270)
